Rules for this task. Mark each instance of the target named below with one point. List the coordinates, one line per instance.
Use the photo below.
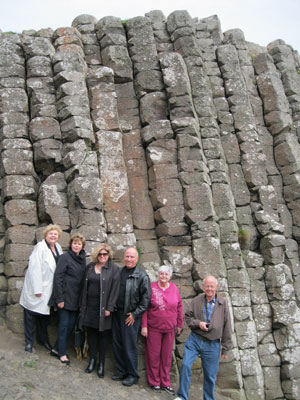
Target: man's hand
(203, 326)
(61, 305)
(224, 356)
(107, 313)
(144, 331)
(129, 320)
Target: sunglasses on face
(102, 254)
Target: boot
(100, 369)
(92, 364)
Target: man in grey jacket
(209, 320)
(133, 300)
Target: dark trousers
(124, 344)
(40, 321)
(67, 320)
(98, 342)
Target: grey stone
(153, 107)
(19, 187)
(13, 99)
(272, 382)
(20, 212)
(250, 363)
(213, 264)
(86, 193)
(238, 185)
(223, 201)
(157, 130)
(238, 278)
(20, 234)
(239, 297)
(14, 318)
(246, 334)
(161, 152)
(44, 128)
(199, 194)
(117, 58)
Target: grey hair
(209, 277)
(166, 268)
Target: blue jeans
(66, 324)
(209, 352)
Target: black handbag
(78, 335)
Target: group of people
(106, 300)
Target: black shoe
(90, 368)
(119, 377)
(156, 388)
(100, 370)
(47, 345)
(54, 354)
(67, 361)
(130, 380)
(168, 389)
(28, 348)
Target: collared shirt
(208, 309)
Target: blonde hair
(96, 251)
(52, 227)
(77, 237)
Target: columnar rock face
(172, 136)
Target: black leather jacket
(137, 293)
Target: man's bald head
(131, 257)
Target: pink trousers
(158, 356)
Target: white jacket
(39, 279)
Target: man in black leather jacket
(133, 301)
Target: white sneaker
(177, 398)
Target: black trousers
(98, 342)
(125, 344)
(40, 321)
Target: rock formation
(172, 136)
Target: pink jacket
(165, 309)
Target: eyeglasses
(103, 254)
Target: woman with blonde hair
(37, 287)
(100, 293)
(67, 288)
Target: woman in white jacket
(38, 285)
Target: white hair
(209, 277)
(166, 268)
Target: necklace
(164, 287)
(98, 268)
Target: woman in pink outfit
(159, 324)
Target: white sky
(262, 21)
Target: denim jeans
(209, 352)
(66, 324)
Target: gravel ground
(39, 376)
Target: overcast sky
(262, 21)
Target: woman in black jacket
(100, 293)
(67, 289)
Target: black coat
(137, 293)
(109, 285)
(68, 280)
